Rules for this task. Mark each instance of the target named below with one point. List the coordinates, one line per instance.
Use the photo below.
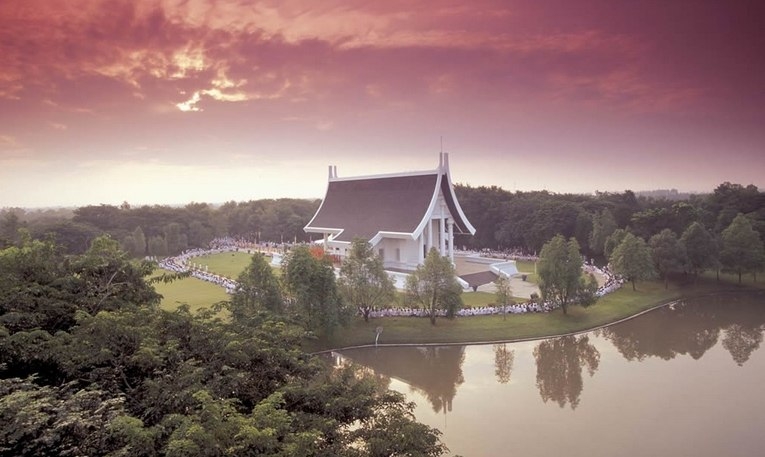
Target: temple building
(402, 215)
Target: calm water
(681, 381)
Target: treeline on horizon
(503, 220)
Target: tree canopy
(668, 254)
(127, 378)
(560, 271)
(434, 286)
(363, 281)
(258, 290)
(742, 248)
(311, 291)
(632, 259)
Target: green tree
(176, 241)
(55, 420)
(258, 290)
(700, 248)
(560, 271)
(312, 291)
(603, 225)
(138, 380)
(157, 246)
(108, 280)
(504, 293)
(33, 287)
(668, 254)
(632, 259)
(363, 281)
(434, 286)
(614, 240)
(139, 243)
(742, 249)
(9, 227)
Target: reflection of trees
(503, 362)
(559, 368)
(433, 371)
(741, 341)
(693, 329)
(664, 333)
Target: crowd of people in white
(183, 263)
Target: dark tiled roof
(363, 207)
(480, 278)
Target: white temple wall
(399, 253)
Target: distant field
(198, 293)
(228, 264)
(191, 291)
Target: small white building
(402, 215)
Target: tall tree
(560, 271)
(700, 248)
(503, 293)
(434, 285)
(363, 281)
(614, 240)
(312, 291)
(603, 225)
(9, 227)
(742, 249)
(668, 254)
(157, 246)
(176, 241)
(107, 280)
(258, 290)
(139, 242)
(632, 259)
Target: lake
(685, 380)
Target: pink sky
(172, 101)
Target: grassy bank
(190, 291)
(616, 306)
(611, 308)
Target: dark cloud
(553, 79)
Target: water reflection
(503, 363)
(692, 330)
(435, 372)
(681, 381)
(559, 368)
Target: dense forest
(503, 220)
(90, 365)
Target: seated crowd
(181, 264)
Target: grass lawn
(621, 304)
(228, 264)
(191, 291)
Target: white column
(420, 248)
(451, 240)
(442, 236)
(430, 235)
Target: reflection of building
(433, 371)
(402, 215)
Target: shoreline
(681, 299)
